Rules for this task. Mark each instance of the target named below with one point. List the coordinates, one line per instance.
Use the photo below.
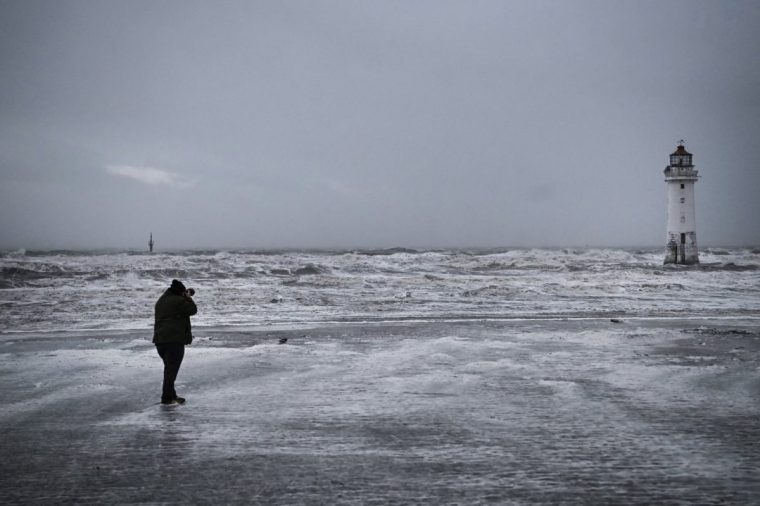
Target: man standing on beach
(171, 333)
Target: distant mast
(680, 176)
(150, 243)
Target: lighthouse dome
(681, 151)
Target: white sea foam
(43, 291)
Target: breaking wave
(117, 289)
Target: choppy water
(70, 290)
(553, 409)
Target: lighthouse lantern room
(680, 177)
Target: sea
(433, 377)
(78, 291)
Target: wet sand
(510, 412)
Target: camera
(191, 291)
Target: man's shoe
(176, 400)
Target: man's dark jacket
(173, 314)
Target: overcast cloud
(374, 123)
(145, 175)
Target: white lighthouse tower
(680, 176)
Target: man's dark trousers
(172, 355)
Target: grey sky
(382, 123)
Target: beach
(510, 411)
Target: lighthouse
(680, 177)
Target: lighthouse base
(682, 249)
